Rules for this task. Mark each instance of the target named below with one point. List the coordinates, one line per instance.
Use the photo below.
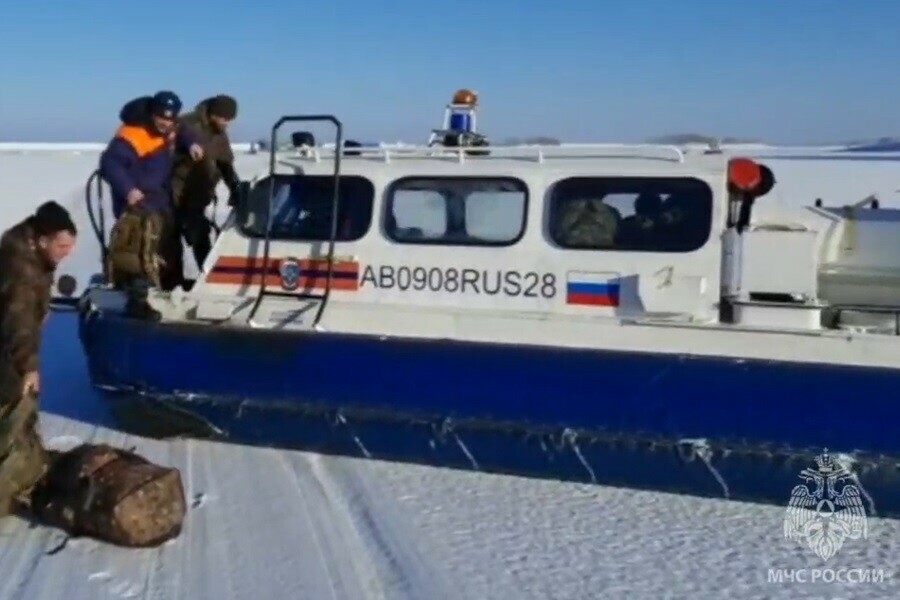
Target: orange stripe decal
(309, 274)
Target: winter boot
(137, 306)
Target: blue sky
(791, 71)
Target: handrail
(538, 153)
(98, 221)
(339, 131)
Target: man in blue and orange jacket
(138, 161)
(138, 164)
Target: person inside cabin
(30, 252)
(682, 224)
(194, 182)
(137, 164)
(588, 223)
(640, 229)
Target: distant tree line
(679, 139)
(882, 141)
(540, 140)
(263, 144)
(699, 138)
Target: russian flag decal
(592, 289)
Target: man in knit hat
(194, 183)
(30, 252)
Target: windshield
(302, 208)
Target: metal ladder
(323, 297)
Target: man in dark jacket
(138, 164)
(29, 254)
(194, 182)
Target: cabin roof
(522, 161)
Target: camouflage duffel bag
(111, 495)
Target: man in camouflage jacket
(29, 254)
(588, 223)
(194, 183)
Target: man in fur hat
(194, 183)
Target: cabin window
(457, 211)
(641, 214)
(302, 206)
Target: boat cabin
(462, 234)
(599, 231)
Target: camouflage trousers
(23, 458)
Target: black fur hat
(50, 218)
(222, 106)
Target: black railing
(338, 145)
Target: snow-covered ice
(265, 523)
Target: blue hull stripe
(288, 388)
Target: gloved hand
(31, 383)
(196, 151)
(239, 189)
(134, 197)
